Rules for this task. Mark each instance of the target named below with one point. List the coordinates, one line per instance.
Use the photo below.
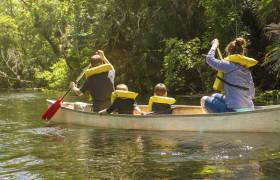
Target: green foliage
(7, 22)
(225, 19)
(57, 77)
(8, 29)
(215, 170)
(272, 57)
(136, 31)
(184, 66)
(147, 41)
(269, 11)
(269, 97)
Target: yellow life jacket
(235, 58)
(97, 70)
(123, 94)
(160, 99)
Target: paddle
(219, 53)
(50, 112)
(217, 85)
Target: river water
(33, 149)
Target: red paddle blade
(52, 110)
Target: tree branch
(6, 60)
(5, 76)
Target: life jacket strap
(233, 85)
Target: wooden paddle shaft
(219, 53)
(77, 80)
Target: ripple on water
(19, 96)
(26, 160)
(16, 174)
(12, 168)
(54, 131)
(232, 152)
(27, 148)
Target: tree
(136, 35)
(13, 68)
(185, 68)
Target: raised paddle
(49, 113)
(219, 53)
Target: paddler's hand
(72, 85)
(101, 54)
(104, 111)
(215, 44)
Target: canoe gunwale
(267, 109)
(263, 119)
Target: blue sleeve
(220, 65)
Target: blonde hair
(122, 87)
(160, 90)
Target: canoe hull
(264, 120)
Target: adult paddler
(99, 82)
(234, 79)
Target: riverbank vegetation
(46, 43)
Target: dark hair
(236, 46)
(160, 89)
(96, 60)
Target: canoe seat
(188, 110)
(180, 109)
(81, 106)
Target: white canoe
(185, 118)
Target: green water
(33, 149)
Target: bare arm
(74, 88)
(105, 60)
(221, 65)
(138, 110)
(104, 111)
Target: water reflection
(140, 154)
(33, 149)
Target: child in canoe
(123, 102)
(160, 103)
